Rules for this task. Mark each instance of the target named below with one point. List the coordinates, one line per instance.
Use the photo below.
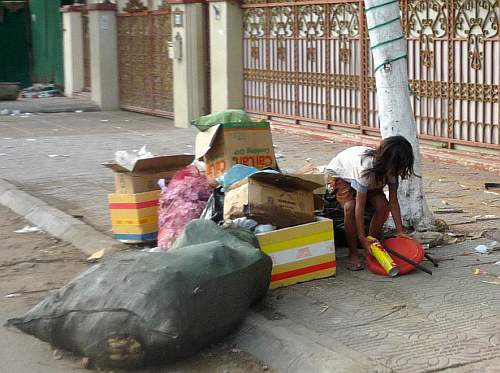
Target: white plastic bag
(127, 159)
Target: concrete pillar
(72, 49)
(189, 60)
(103, 55)
(226, 54)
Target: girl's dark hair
(393, 157)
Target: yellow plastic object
(384, 259)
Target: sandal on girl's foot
(354, 266)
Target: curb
(292, 348)
(476, 161)
(55, 222)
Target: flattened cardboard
(227, 144)
(146, 173)
(277, 199)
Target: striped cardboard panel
(153, 219)
(136, 238)
(135, 229)
(133, 213)
(134, 198)
(301, 253)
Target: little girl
(358, 174)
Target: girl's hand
(366, 243)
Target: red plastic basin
(404, 246)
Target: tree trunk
(389, 52)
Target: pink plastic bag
(181, 201)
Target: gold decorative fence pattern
(309, 61)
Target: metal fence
(145, 70)
(309, 62)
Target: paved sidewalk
(48, 105)
(76, 183)
(416, 323)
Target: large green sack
(145, 308)
(227, 116)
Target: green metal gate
(46, 29)
(14, 38)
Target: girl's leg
(353, 263)
(381, 206)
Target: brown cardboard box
(146, 173)
(227, 144)
(314, 174)
(271, 198)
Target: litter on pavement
(57, 155)
(28, 229)
(487, 248)
(40, 91)
(228, 224)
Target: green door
(47, 43)
(14, 45)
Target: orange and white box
(301, 253)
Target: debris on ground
(28, 229)
(486, 217)
(40, 91)
(87, 363)
(448, 210)
(486, 249)
(431, 238)
(96, 256)
(57, 155)
(57, 355)
(13, 295)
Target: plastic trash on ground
(183, 200)
(485, 249)
(40, 91)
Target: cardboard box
(134, 217)
(146, 173)
(271, 198)
(314, 174)
(225, 145)
(301, 253)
